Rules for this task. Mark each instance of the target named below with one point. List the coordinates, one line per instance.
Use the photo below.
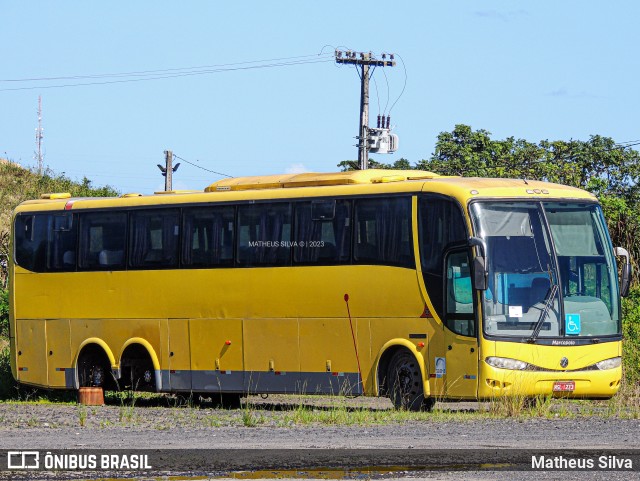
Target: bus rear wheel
(138, 373)
(404, 383)
(94, 368)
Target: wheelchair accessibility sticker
(572, 324)
(441, 367)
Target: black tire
(404, 383)
(142, 376)
(138, 373)
(94, 369)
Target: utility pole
(168, 170)
(364, 61)
(39, 137)
(363, 141)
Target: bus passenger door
(460, 328)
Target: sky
(532, 70)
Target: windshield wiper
(543, 314)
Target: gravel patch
(159, 423)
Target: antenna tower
(39, 136)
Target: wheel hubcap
(97, 376)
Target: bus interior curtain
(260, 252)
(308, 231)
(381, 231)
(342, 230)
(270, 225)
(215, 245)
(276, 225)
(169, 238)
(140, 240)
(188, 241)
(389, 230)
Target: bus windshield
(551, 270)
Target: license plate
(563, 386)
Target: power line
(174, 75)
(377, 93)
(200, 167)
(164, 71)
(388, 93)
(628, 145)
(404, 86)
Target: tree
(599, 165)
(400, 164)
(610, 171)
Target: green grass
(82, 415)
(8, 386)
(334, 411)
(127, 412)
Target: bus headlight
(609, 363)
(506, 363)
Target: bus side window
(154, 238)
(264, 234)
(62, 243)
(31, 241)
(382, 232)
(102, 240)
(322, 232)
(208, 236)
(459, 297)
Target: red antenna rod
(353, 336)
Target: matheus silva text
(609, 462)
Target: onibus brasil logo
(24, 460)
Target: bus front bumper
(592, 384)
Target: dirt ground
(271, 423)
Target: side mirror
(480, 274)
(625, 279)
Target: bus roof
(313, 179)
(372, 181)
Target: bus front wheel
(404, 382)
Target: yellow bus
(403, 284)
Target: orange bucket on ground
(91, 396)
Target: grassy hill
(18, 184)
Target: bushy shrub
(8, 385)
(631, 331)
(4, 312)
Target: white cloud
(296, 169)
